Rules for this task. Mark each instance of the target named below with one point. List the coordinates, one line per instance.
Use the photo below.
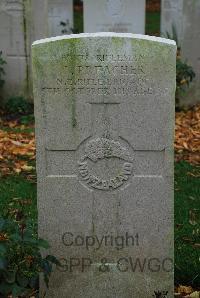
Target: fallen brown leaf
(187, 135)
(184, 290)
(14, 146)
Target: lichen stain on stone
(38, 69)
(73, 45)
(117, 41)
(36, 61)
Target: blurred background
(24, 21)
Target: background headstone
(60, 11)
(13, 45)
(21, 22)
(114, 16)
(184, 15)
(104, 108)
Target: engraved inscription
(100, 149)
(116, 75)
(114, 8)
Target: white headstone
(114, 16)
(104, 108)
(12, 44)
(60, 11)
(21, 22)
(184, 15)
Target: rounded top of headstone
(106, 34)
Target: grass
(17, 186)
(78, 22)
(17, 130)
(153, 23)
(187, 224)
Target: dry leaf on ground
(13, 147)
(187, 135)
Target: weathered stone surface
(184, 16)
(114, 16)
(104, 107)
